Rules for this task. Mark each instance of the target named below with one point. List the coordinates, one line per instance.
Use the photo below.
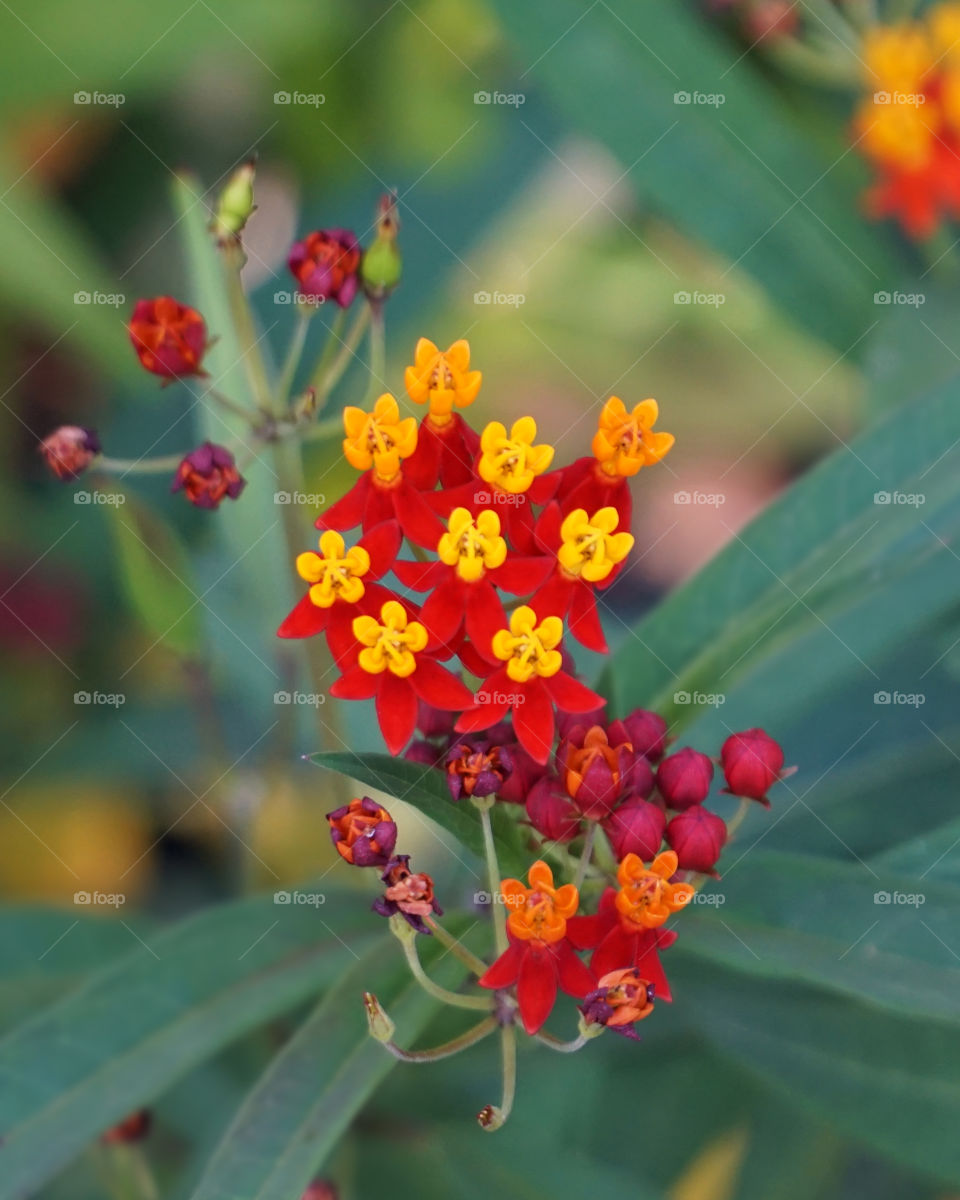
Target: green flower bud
(235, 205)
(382, 263)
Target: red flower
(207, 475)
(325, 265)
(342, 585)
(539, 958)
(446, 446)
(588, 555)
(390, 663)
(684, 778)
(170, 338)
(698, 837)
(363, 833)
(598, 765)
(529, 683)
(618, 943)
(463, 584)
(69, 450)
(752, 762)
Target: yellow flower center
(539, 913)
(335, 572)
(625, 441)
(472, 545)
(390, 644)
(379, 439)
(591, 548)
(512, 462)
(443, 379)
(527, 648)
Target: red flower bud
(325, 265)
(69, 450)
(697, 835)
(476, 768)
(407, 893)
(647, 732)
(597, 766)
(131, 1129)
(170, 338)
(636, 827)
(207, 474)
(769, 20)
(363, 833)
(752, 762)
(526, 772)
(684, 778)
(551, 811)
(321, 1189)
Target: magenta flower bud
(566, 722)
(752, 762)
(597, 766)
(363, 833)
(525, 773)
(684, 778)
(647, 732)
(207, 475)
(476, 768)
(636, 827)
(325, 265)
(69, 450)
(697, 836)
(551, 811)
(434, 722)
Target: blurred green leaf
(155, 573)
(138, 1025)
(314, 1087)
(814, 554)
(761, 192)
(426, 789)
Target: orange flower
(442, 377)
(625, 441)
(379, 439)
(539, 912)
(647, 897)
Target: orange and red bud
(207, 475)
(325, 265)
(363, 833)
(69, 450)
(476, 768)
(621, 999)
(407, 894)
(130, 1130)
(170, 338)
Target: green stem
(493, 1117)
(484, 804)
(325, 378)
(547, 1039)
(473, 1035)
(738, 818)
(378, 351)
(408, 940)
(246, 332)
(457, 948)
(138, 466)
(585, 855)
(294, 353)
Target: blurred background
(590, 234)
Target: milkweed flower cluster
(909, 125)
(449, 583)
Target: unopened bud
(382, 263)
(379, 1024)
(235, 206)
(490, 1118)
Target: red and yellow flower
(529, 682)
(388, 660)
(447, 446)
(539, 959)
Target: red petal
(347, 512)
(571, 695)
(355, 684)
(418, 576)
(438, 687)
(548, 528)
(304, 620)
(536, 988)
(617, 950)
(543, 488)
(340, 639)
(396, 711)
(584, 620)
(464, 496)
(522, 574)
(518, 521)
(481, 717)
(553, 599)
(505, 971)
(475, 662)
(533, 720)
(485, 615)
(587, 932)
(422, 468)
(416, 520)
(443, 611)
(379, 506)
(575, 978)
(382, 543)
(648, 964)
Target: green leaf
(801, 234)
(156, 574)
(808, 560)
(299, 1109)
(892, 1082)
(425, 788)
(137, 1026)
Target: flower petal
(575, 978)
(571, 695)
(347, 512)
(506, 970)
(536, 988)
(304, 620)
(382, 543)
(438, 687)
(533, 720)
(396, 711)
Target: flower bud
(382, 264)
(235, 206)
(697, 836)
(684, 778)
(363, 833)
(207, 475)
(636, 827)
(325, 265)
(551, 811)
(752, 762)
(170, 338)
(476, 768)
(407, 895)
(525, 773)
(647, 732)
(321, 1189)
(597, 767)
(769, 21)
(130, 1130)
(379, 1025)
(69, 450)
(621, 998)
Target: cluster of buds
(486, 692)
(908, 126)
